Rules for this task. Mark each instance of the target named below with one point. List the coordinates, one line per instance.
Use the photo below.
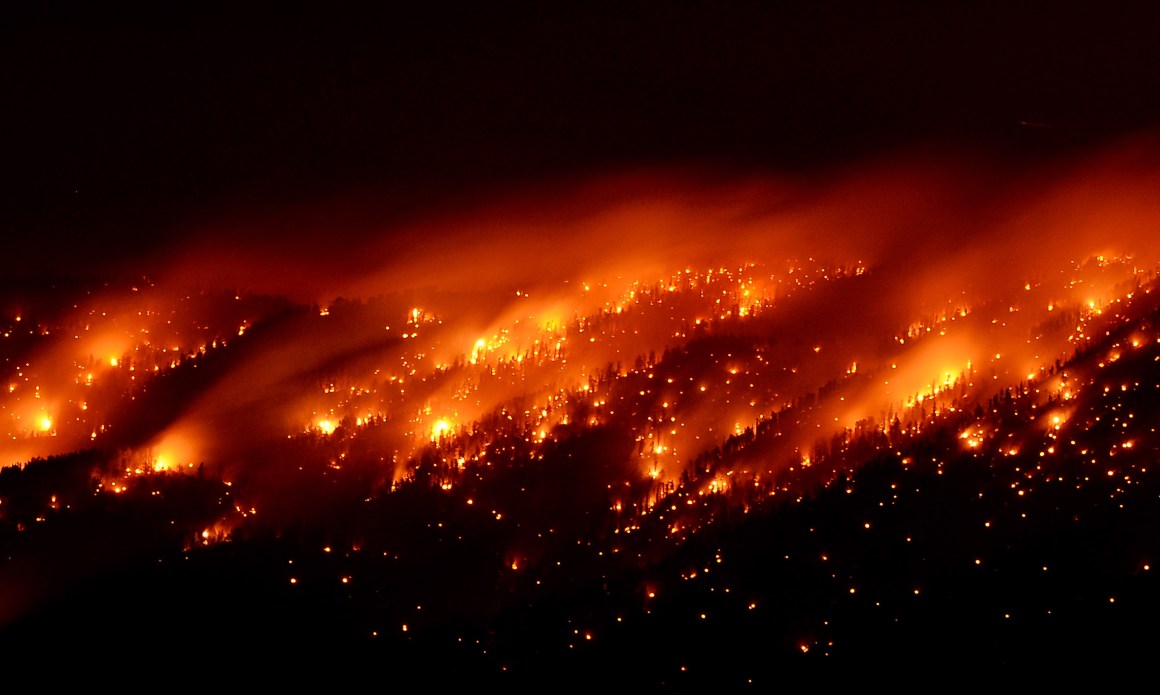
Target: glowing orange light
(440, 428)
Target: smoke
(934, 210)
(894, 278)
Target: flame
(440, 428)
(585, 306)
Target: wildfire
(440, 429)
(628, 322)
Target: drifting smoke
(883, 284)
(935, 215)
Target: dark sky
(117, 131)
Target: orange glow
(440, 429)
(831, 307)
(594, 371)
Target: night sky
(121, 131)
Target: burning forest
(688, 347)
(521, 451)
